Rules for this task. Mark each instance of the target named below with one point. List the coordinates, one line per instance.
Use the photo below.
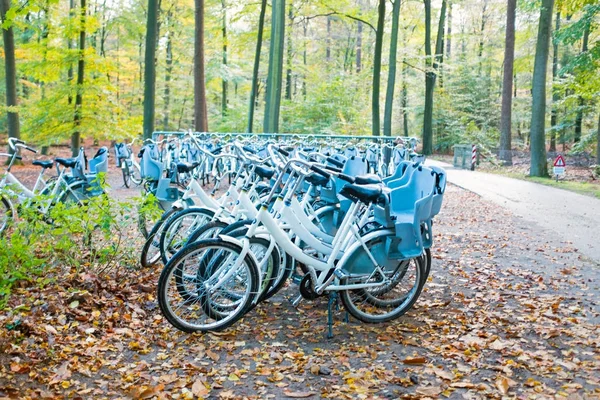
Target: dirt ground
(507, 311)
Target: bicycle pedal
(340, 274)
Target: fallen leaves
(298, 395)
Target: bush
(95, 236)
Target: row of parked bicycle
(74, 182)
(291, 211)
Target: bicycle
(130, 168)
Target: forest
(507, 75)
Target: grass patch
(585, 188)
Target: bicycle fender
(348, 252)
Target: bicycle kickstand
(332, 300)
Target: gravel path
(570, 217)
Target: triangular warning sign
(560, 161)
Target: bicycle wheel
(151, 250)
(272, 275)
(6, 213)
(399, 288)
(179, 227)
(135, 174)
(196, 295)
(207, 231)
(126, 174)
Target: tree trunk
(449, 32)
(376, 123)
(509, 59)
(555, 94)
(254, 88)
(404, 100)
(328, 41)
(579, 117)
(290, 54)
(389, 97)
(359, 30)
(200, 108)
(168, 73)
(150, 68)
(429, 85)
(539, 166)
(76, 136)
(224, 84)
(11, 72)
(304, 57)
(598, 142)
(275, 75)
(432, 64)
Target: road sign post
(559, 166)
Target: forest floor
(509, 310)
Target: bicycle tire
(172, 239)
(379, 305)
(166, 292)
(151, 250)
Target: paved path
(572, 217)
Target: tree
(377, 69)
(255, 70)
(200, 107)
(539, 165)
(389, 96)
(275, 75)
(10, 70)
(509, 59)
(579, 117)
(224, 78)
(76, 136)
(150, 68)
(555, 92)
(432, 64)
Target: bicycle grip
(346, 178)
(334, 169)
(335, 162)
(320, 171)
(30, 149)
(282, 151)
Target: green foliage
(94, 237)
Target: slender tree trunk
(432, 63)
(539, 166)
(429, 85)
(555, 93)
(254, 88)
(389, 96)
(76, 136)
(168, 74)
(404, 100)
(598, 141)
(376, 123)
(200, 108)
(70, 47)
(304, 57)
(274, 78)
(328, 41)
(449, 32)
(150, 69)
(579, 117)
(509, 58)
(11, 72)
(289, 53)
(224, 80)
(359, 30)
